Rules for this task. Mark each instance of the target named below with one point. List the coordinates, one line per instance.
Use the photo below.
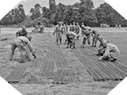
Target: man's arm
(105, 54)
(30, 47)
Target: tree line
(81, 12)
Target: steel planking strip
(8, 78)
(107, 70)
(89, 69)
(119, 72)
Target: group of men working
(106, 50)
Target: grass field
(14, 30)
(83, 86)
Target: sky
(28, 4)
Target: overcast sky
(28, 4)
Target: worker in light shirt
(59, 30)
(95, 34)
(71, 38)
(111, 52)
(24, 46)
(86, 33)
(101, 48)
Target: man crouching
(111, 52)
(24, 46)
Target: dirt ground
(85, 85)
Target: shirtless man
(59, 31)
(22, 32)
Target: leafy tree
(35, 12)
(15, 16)
(106, 14)
(87, 13)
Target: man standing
(59, 31)
(41, 28)
(73, 27)
(77, 30)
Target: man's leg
(77, 36)
(88, 39)
(73, 43)
(84, 42)
(60, 38)
(113, 56)
(68, 41)
(27, 50)
(57, 39)
(65, 42)
(95, 40)
(13, 47)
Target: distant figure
(59, 31)
(116, 26)
(119, 26)
(24, 46)
(73, 28)
(66, 27)
(77, 30)
(111, 52)
(82, 25)
(41, 26)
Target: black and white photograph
(63, 47)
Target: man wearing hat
(59, 31)
(111, 52)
